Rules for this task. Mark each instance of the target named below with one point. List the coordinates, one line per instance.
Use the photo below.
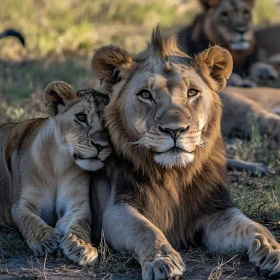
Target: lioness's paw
(47, 241)
(78, 250)
(265, 257)
(168, 266)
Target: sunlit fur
(44, 190)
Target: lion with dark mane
(166, 184)
(229, 24)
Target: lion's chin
(90, 164)
(240, 46)
(169, 160)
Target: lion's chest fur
(176, 207)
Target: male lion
(43, 186)
(166, 184)
(229, 24)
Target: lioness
(166, 184)
(43, 186)
(248, 107)
(229, 24)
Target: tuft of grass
(11, 244)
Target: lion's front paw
(168, 266)
(47, 240)
(78, 250)
(265, 257)
(262, 71)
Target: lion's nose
(99, 147)
(100, 140)
(174, 132)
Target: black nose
(175, 133)
(241, 30)
(98, 146)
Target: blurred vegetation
(72, 27)
(62, 35)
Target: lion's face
(78, 121)
(166, 112)
(162, 99)
(229, 24)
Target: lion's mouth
(79, 157)
(175, 150)
(240, 45)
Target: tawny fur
(245, 108)
(44, 187)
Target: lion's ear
(207, 4)
(57, 97)
(251, 3)
(110, 65)
(215, 65)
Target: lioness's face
(162, 100)
(166, 112)
(80, 127)
(230, 25)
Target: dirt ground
(199, 265)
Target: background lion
(43, 186)
(166, 184)
(229, 24)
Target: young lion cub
(42, 181)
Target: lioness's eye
(81, 117)
(145, 94)
(192, 92)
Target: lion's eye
(145, 94)
(192, 92)
(81, 117)
(224, 15)
(246, 13)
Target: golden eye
(145, 94)
(81, 117)
(192, 92)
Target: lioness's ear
(215, 63)
(207, 4)
(56, 97)
(111, 64)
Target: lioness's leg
(75, 221)
(40, 237)
(232, 230)
(241, 113)
(129, 231)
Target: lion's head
(163, 102)
(78, 121)
(229, 24)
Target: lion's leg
(232, 230)
(129, 231)
(75, 221)
(40, 237)
(241, 113)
